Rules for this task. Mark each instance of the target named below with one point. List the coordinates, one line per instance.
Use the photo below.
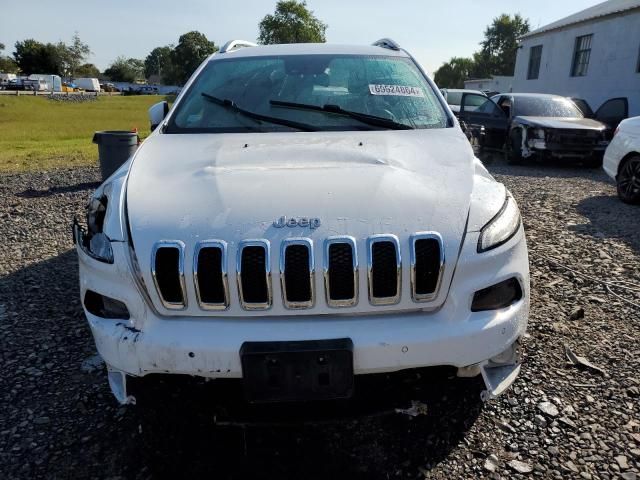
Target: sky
(432, 31)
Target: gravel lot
(559, 420)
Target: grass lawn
(40, 134)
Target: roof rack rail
(235, 44)
(386, 43)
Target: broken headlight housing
(501, 227)
(94, 242)
(538, 133)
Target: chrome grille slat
(384, 271)
(297, 272)
(169, 285)
(340, 278)
(254, 274)
(210, 269)
(427, 265)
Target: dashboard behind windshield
(387, 87)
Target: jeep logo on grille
(304, 222)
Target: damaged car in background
(303, 215)
(541, 126)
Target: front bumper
(209, 346)
(559, 150)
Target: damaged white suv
(304, 214)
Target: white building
(593, 54)
(496, 83)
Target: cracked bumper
(209, 346)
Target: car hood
(561, 122)
(232, 187)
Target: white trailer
(88, 84)
(46, 82)
(7, 77)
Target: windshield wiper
(231, 105)
(336, 109)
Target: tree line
(31, 56)
(291, 22)
(497, 54)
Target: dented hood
(561, 122)
(232, 187)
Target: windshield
(249, 94)
(454, 98)
(545, 107)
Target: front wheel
(628, 180)
(514, 148)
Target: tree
(192, 49)
(292, 22)
(453, 73)
(160, 62)
(32, 56)
(496, 57)
(87, 70)
(73, 55)
(7, 65)
(500, 44)
(124, 69)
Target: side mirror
(157, 113)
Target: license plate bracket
(287, 371)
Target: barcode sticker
(398, 90)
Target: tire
(628, 180)
(514, 148)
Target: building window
(581, 56)
(535, 54)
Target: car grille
(577, 138)
(297, 272)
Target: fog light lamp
(105, 307)
(497, 296)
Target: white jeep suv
(304, 214)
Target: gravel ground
(559, 420)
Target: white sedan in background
(622, 160)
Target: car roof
(309, 49)
(463, 90)
(529, 95)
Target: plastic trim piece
(222, 245)
(425, 297)
(180, 246)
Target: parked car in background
(147, 90)
(108, 87)
(23, 84)
(535, 125)
(6, 78)
(328, 219)
(611, 112)
(453, 96)
(622, 160)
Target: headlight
(501, 227)
(94, 242)
(538, 133)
